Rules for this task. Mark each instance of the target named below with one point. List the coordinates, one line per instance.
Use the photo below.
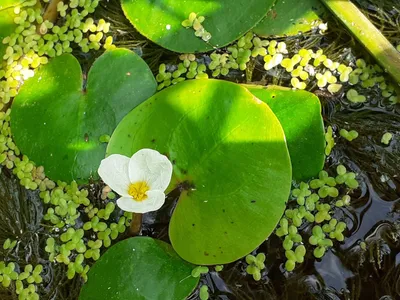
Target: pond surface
(347, 271)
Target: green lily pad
(57, 123)
(300, 115)
(289, 17)
(139, 268)
(160, 21)
(7, 25)
(230, 157)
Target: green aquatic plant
(144, 261)
(303, 16)
(330, 141)
(77, 156)
(219, 268)
(315, 203)
(199, 205)
(386, 138)
(9, 244)
(348, 135)
(255, 265)
(25, 282)
(199, 270)
(165, 29)
(367, 34)
(204, 295)
(194, 22)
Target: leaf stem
(136, 224)
(367, 34)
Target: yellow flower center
(138, 190)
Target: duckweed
(386, 138)
(255, 265)
(204, 295)
(314, 203)
(195, 22)
(330, 142)
(196, 272)
(348, 135)
(219, 268)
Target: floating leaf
(57, 123)
(289, 17)
(229, 151)
(139, 268)
(300, 115)
(160, 21)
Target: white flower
(141, 180)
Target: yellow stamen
(138, 190)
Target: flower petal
(150, 166)
(114, 172)
(154, 201)
(156, 198)
(127, 204)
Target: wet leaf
(300, 115)
(160, 21)
(139, 268)
(230, 156)
(57, 124)
(289, 17)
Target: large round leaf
(139, 268)
(289, 17)
(300, 115)
(226, 20)
(7, 25)
(229, 151)
(57, 123)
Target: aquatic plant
(78, 226)
(140, 180)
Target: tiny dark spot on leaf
(253, 201)
(174, 162)
(129, 135)
(153, 140)
(223, 210)
(193, 225)
(232, 222)
(206, 253)
(226, 232)
(184, 172)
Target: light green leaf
(160, 21)
(289, 17)
(57, 123)
(229, 154)
(139, 268)
(300, 115)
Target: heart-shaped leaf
(289, 17)
(57, 123)
(230, 157)
(139, 268)
(300, 115)
(226, 20)
(7, 25)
